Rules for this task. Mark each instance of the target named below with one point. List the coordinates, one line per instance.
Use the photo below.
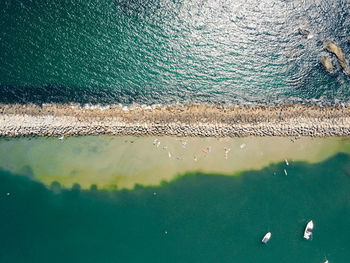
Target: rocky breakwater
(194, 120)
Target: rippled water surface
(167, 51)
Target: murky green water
(196, 218)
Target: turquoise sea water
(168, 51)
(154, 51)
(196, 218)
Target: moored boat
(308, 230)
(266, 238)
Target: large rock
(333, 48)
(327, 63)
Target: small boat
(306, 33)
(308, 230)
(266, 238)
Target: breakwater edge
(176, 120)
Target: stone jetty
(192, 120)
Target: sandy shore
(193, 121)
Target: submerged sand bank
(122, 162)
(194, 120)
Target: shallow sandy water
(122, 162)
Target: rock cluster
(326, 62)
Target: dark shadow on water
(56, 187)
(195, 218)
(138, 6)
(66, 94)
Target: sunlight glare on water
(133, 51)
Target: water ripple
(133, 51)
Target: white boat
(266, 238)
(308, 230)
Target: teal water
(196, 218)
(146, 52)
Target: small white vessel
(266, 238)
(308, 230)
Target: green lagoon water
(195, 218)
